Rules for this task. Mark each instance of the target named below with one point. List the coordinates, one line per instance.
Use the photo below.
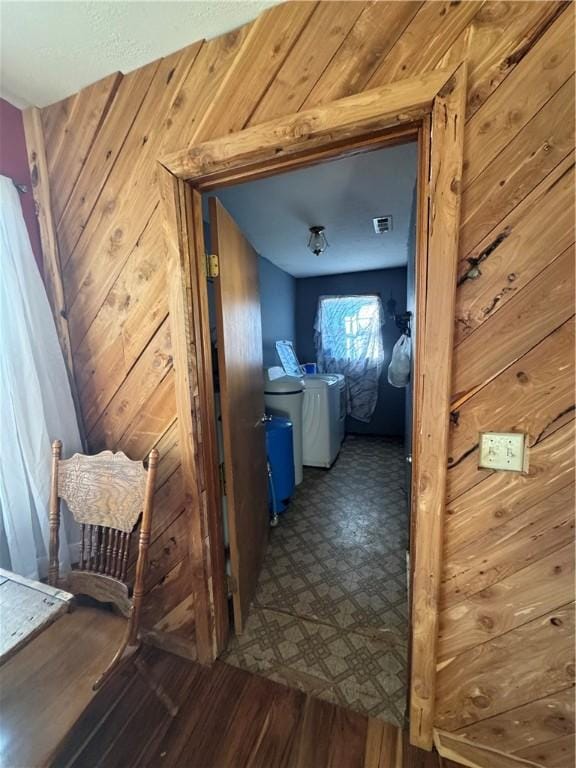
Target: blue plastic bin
(280, 452)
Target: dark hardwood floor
(47, 684)
(227, 718)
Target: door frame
(432, 109)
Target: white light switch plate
(502, 450)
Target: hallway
(330, 612)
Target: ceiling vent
(382, 224)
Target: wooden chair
(106, 494)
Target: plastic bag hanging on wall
(399, 368)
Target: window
(350, 327)
(348, 336)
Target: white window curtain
(36, 405)
(348, 340)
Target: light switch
(502, 450)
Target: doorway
(430, 107)
(325, 607)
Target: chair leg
(157, 687)
(122, 655)
(128, 647)
(114, 666)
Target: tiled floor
(330, 613)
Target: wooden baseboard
(467, 753)
(166, 641)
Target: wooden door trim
(433, 105)
(286, 140)
(462, 751)
(190, 333)
(433, 386)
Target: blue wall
(388, 418)
(278, 308)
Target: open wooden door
(242, 404)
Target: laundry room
(326, 285)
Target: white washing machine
(323, 409)
(342, 406)
(342, 400)
(321, 420)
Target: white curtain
(36, 405)
(348, 339)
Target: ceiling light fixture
(317, 242)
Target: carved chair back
(106, 494)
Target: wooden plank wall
(505, 658)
